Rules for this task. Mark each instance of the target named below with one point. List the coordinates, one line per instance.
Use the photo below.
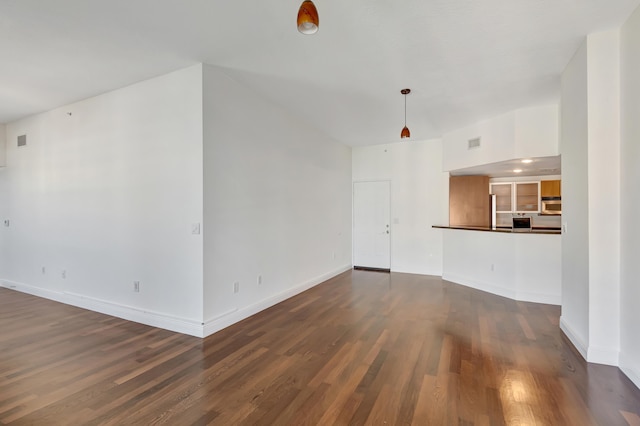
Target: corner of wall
(576, 341)
(630, 366)
(603, 355)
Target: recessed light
(517, 170)
(527, 161)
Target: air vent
(22, 140)
(474, 143)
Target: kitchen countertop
(534, 230)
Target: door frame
(353, 221)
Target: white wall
(521, 266)
(522, 133)
(603, 71)
(3, 190)
(575, 206)
(537, 131)
(108, 194)
(496, 143)
(630, 198)
(419, 200)
(277, 203)
(3, 145)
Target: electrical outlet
(259, 280)
(64, 274)
(136, 286)
(236, 287)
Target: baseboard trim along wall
(606, 356)
(578, 343)
(129, 313)
(630, 369)
(550, 299)
(213, 325)
(168, 322)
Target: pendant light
(405, 133)
(308, 21)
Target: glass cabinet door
(527, 197)
(503, 196)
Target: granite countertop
(534, 230)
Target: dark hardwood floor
(362, 348)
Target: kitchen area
(499, 201)
(505, 206)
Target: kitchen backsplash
(504, 219)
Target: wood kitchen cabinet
(516, 197)
(527, 197)
(550, 188)
(469, 201)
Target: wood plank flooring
(362, 348)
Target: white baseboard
(577, 342)
(417, 271)
(130, 313)
(478, 285)
(606, 356)
(550, 299)
(168, 322)
(630, 367)
(222, 321)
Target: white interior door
(371, 230)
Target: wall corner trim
(630, 369)
(602, 355)
(578, 343)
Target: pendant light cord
(405, 110)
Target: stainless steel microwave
(551, 206)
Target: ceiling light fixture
(527, 161)
(308, 21)
(405, 133)
(517, 170)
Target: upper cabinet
(523, 133)
(527, 197)
(516, 197)
(504, 196)
(550, 188)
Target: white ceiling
(464, 60)
(540, 166)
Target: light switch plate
(195, 229)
